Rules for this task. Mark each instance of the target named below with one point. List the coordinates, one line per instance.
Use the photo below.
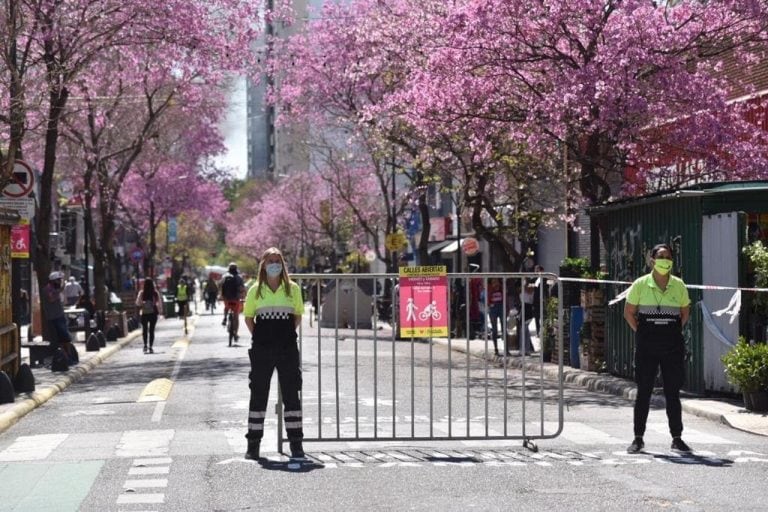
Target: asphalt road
(165, 432)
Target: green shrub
(757, 254)
(746, 366)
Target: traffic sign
(471, 246)
(137, 255)
(20, 241)
(396, 241)
(22, 181)
(25, 206)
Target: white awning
(451, 247)
(438, 246)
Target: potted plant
(757, 254)
(746, 366)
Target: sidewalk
(48, 384)
(729, 412)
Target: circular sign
(22, 181)
(470, 246)
(137, 255)
(396, 241)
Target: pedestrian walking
(148, 300)
(657, 308)
(211, 294)
(182, 296)
(72, 291)
(273, 310)
(496, 311)
(55, 318)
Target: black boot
(252, 453)
(297, 452)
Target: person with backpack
(211, 294)
(232, 291)
(148, 301)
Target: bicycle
(430, 311)
(183, 312)
(231, 326)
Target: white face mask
(274, 269)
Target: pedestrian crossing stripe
(153, 449)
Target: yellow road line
(156, 391)
(181, 342)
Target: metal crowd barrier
(362, 382)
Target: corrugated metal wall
(629, 233)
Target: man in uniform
(657, 308)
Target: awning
(453, 246)
(438, 246)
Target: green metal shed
(706, 225)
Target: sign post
(423, 302)
(18, 195)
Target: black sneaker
(297, 452)
(252, 453)
(145, 349)
(679, 445)
(636, 446)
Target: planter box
(756, 401)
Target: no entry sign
(23, 181)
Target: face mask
(274, 269)
(662, 266)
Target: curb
(37, 398)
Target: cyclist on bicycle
(232, 292)
(182, 296)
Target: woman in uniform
(272, 311)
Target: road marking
(157, 415)
(125, 499)
(692, 436)
(155, 482)
(152, 462)
(144, 443)
(32, 447)
(161, 470)
(156, 391)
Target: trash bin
(169, 306)
(577, 320)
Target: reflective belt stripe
(255, 426)
(292, 414)
(292, 424)
(257, 414)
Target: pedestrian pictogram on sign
(23, 181)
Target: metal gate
(363, 382)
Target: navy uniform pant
(647, 363)
(265, 358)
